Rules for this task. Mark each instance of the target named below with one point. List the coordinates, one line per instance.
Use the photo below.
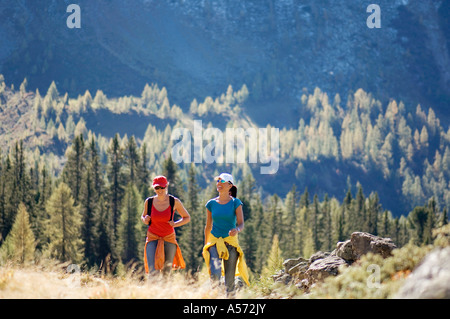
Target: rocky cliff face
(197, 48)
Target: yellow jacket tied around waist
(222, 250)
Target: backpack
(150, 203)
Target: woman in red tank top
(161, 248)
(160, 221)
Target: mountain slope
(196, 49)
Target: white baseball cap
(225, 177)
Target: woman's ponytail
(233, 191)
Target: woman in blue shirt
(224, 220)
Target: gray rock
(318, 255)
(299, 270)
(289, 263)
(302, 284)
(431, 279)
(363, 243)
(344, 249)
(282, 278)
(285, 279)
(305, 273)
(323, 268)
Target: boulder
(290, 263)
(318, 255)
(324, 267)
(363, 243)
(299, 270)
(282, 277)
(306, 272)
(431, 279)
(344, 249)
(293, 269)
(302, 284)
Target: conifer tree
(315, 223)
(95, 165)
(63, 228)
(52, 92)
(144, 173)
(44, 192)
(291, 206)
(88, 210)
(246, 194)
(304, 199)
(15, 188)
(274, 261)
(107, 250)
(275, 215)
(404, 231)
(130, 228)
(348, 214)
(248, 240)
(131, 158)
(190, 241)
(385, 225)
(249, 197)
(444, 217)
(170, 169)
(430, 224)
(20, 243)
(34, 193)
(360, 210)
(396, 231)
(308, 244)
(373, 210)
(2, 195)
(340, 226)
(418, 221)
(5, 180)
(21, 179)
(261, 245)
(8, 191)
(327, 233)
(20, 183)
(91, 208)
(116, 179)
(75, 166)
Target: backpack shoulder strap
(149, 208)
(149, 205)
(172, 205)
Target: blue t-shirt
(223, 216)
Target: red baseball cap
(160, 181)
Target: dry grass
(54, 282)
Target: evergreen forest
(75, 172)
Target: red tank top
(160, 222)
